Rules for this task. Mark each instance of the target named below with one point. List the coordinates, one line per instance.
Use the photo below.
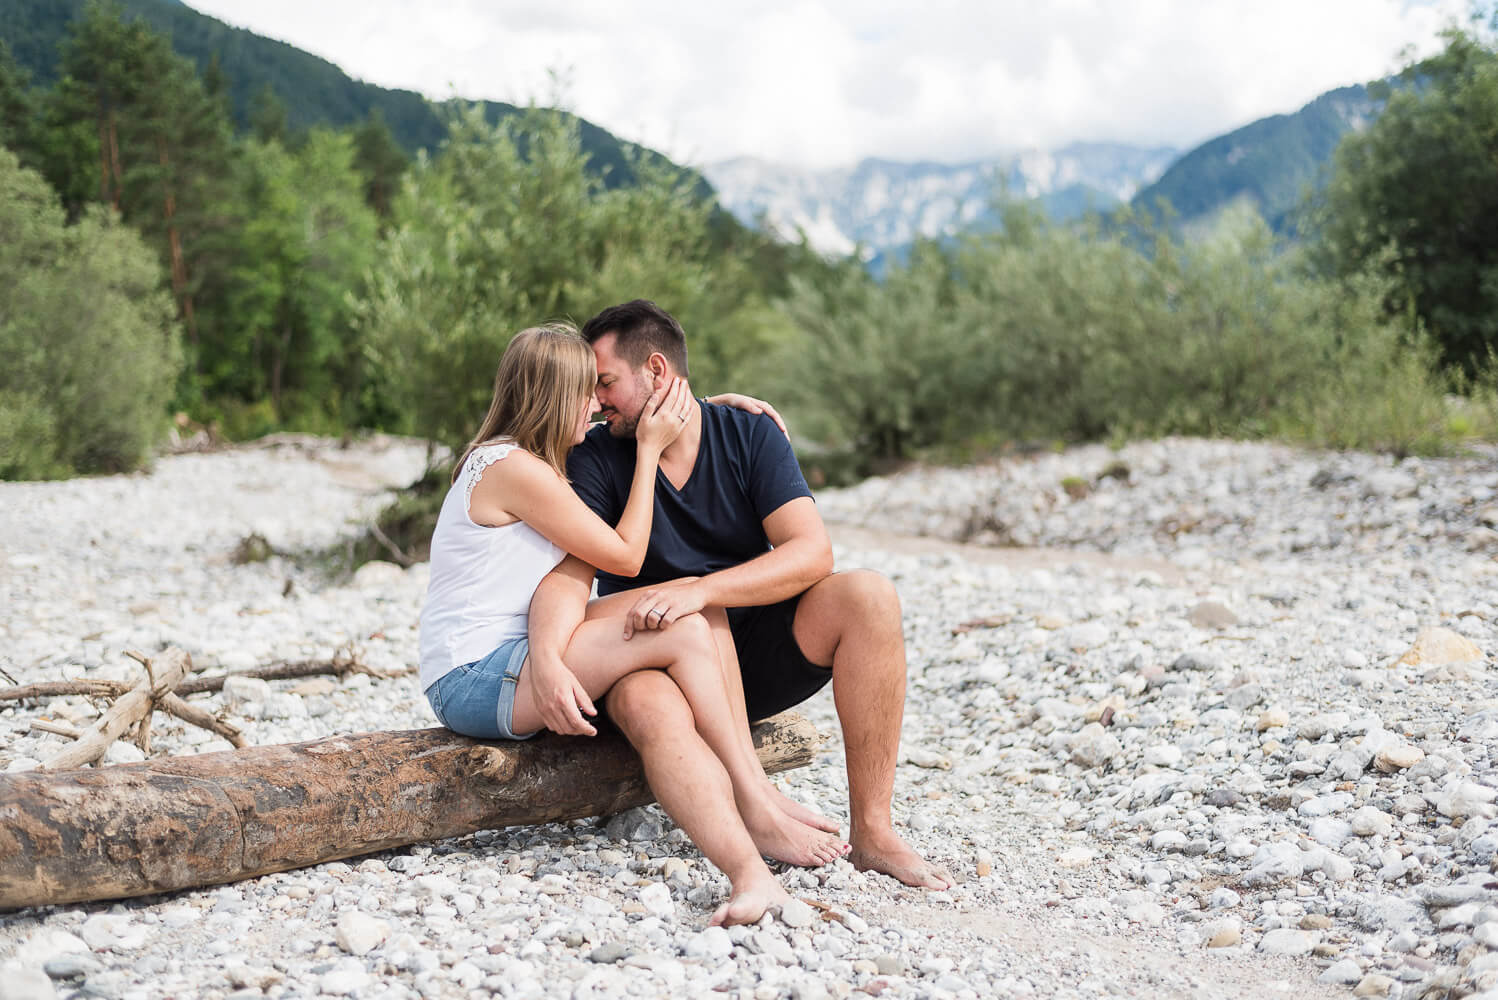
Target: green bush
(1051, 333)
(90, 348)
(505, 228)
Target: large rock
(20, 983)
(1434, 646)
(377, 576)
(1094, 746)
(1211, 615)
(359, 933)
(1397, 757)
(1289, 941)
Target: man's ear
(659, 370)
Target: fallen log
(183, 822)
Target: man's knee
(857, 604)
(860, 599)
(873, 594)
(647, 704)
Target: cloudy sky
(825, 82)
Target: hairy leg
(702, 680)
(851, 621)
(696, 667)
(733, 680)
(694, 789)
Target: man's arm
(801, 556)
(557, 608)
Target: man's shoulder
(737, 426)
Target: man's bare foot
(889, 854)
(778, 836)
(749, 902)
(800, 813)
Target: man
(735, 527)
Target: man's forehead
(604, 355)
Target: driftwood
(202, 718)
(55, 728)
(343, 662)
(182, 822)
(131, 710)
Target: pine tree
(161, 138)
(382, 162)
(17, 110)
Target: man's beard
(624, 427)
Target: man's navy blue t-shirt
(745, 471)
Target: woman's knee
(692, 635)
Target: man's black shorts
(776, 673)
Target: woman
(509, 518)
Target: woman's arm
(748, 404)
(523, 486)
(557, 608)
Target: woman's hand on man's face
(665, 415)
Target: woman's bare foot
(778, 836)
(800, 813)
(889, 854)
(750, 901)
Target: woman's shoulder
(511, 455)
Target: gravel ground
(1188, 719)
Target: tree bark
(182, 822)
(174, 243)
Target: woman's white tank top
(482, 578)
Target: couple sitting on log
(719, 602)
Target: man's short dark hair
(643, 328)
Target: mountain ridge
(314, 90)
(881, 203)
(1270, 162)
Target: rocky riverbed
(1188, 719)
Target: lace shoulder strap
(483, 456)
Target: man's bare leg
(700, 678)
(852, 621)
(734, 681)
(716, 695)
(694, 789)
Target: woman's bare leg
(599, 655)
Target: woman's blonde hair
(544, 377)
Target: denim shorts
(478, 698)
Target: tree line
(156, 258)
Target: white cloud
(824, 82)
